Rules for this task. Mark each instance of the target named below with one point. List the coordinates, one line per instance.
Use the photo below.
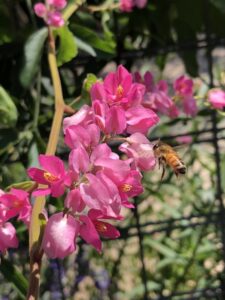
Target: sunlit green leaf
(67, 45)
(97, 42)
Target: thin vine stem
(39, 203)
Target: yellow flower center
(100, 226)
(119, 91)
(126, 187)
(16, 203)
(49, 177)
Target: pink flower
(40, 10)
(117, 104)
(130, 187)
(55, 19)
(156, 96)
(51, 14)
(100, 195)
(126, 5)
(58, 4)
(59, 236)
(140, 119)
(53, 175)
(185, 139)
(140, 149)
(8, 237)
(103, 228)
(119, 87)
(189, 105)
(91, 228)
(16, 202)
(217, 98)
(3, 213)
(183, 86)
(89, 233)
(140, 3)
(78, 135)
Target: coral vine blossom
(98, 182)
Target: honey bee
(166, 155)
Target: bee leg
(159, 162)
(163, 171)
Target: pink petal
(59, 236)
(52, 164)
(8, 237)
(82, 117)
(89, 233)
(94, 193)
(74, 201)
(103, 151)
(40, 10)
(115, 120)
(37, 175)
(77, 136)
(106, 230)
(79, 160)
(98, 92)
(140, 119)
(111, 83)
(41, 192)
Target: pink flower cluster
(97, 182)
(12, 204)
(128, 5)
(51, 12)
(157, 96)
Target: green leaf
(67, 45)
(24, 185)
(13, 275)
(220, 4)
(32, 56)
(159, 247)
(97, 42)
(85, 47)
(89, 81)
(8, 111)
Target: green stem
(39, 204)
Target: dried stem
(39, 204)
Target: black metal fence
(216, 214)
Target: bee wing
(181, 149)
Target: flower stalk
(39, 204)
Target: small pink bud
(58, 4)
(126, 5)
(55, 19)
(217, 98)
(40, 10)
(8, 237)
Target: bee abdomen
(182, 170)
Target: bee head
(156, 145)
